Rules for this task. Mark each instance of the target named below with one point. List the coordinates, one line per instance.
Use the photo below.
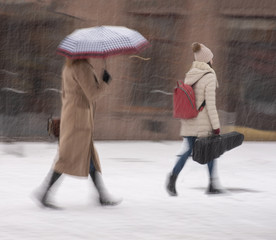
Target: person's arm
(210, 98)
(92, 86)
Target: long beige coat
(205, 89)
(80, 89)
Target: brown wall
(240, 33)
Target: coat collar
(197, 70)
(202, 66)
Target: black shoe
(213, 190)
(170, 186)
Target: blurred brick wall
(130, 110)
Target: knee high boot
(44, 199)
(105, 197)
(170, 187)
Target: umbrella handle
(136, 56)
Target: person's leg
(44, 199)
(211, 168)
(92, 173)
(212, 189)
(183, 158)
(179, 166)
(104, 197)
(92, 167)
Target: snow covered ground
(137, 172)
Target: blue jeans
(183, 158)
(92, 168)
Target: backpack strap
(178, 83)
(201, 107)
(200, 78)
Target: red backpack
(184, 104)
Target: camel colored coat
(205, 82)
(80, 89)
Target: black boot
(171, 185)
(212, 189)
(105, 198)
(44, 199)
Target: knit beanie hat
(201, 52)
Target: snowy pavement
(137, 172)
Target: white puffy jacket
(205, 89)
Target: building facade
(240, 33)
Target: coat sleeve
(210, 98)
(92, 87)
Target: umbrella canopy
(103, 41)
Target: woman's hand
(216, 131)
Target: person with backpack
(202, 78)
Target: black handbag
(208, 148)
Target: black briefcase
(209, 148)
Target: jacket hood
(196, 72)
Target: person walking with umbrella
(203, 79)
(77, 154)
(81, 88)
